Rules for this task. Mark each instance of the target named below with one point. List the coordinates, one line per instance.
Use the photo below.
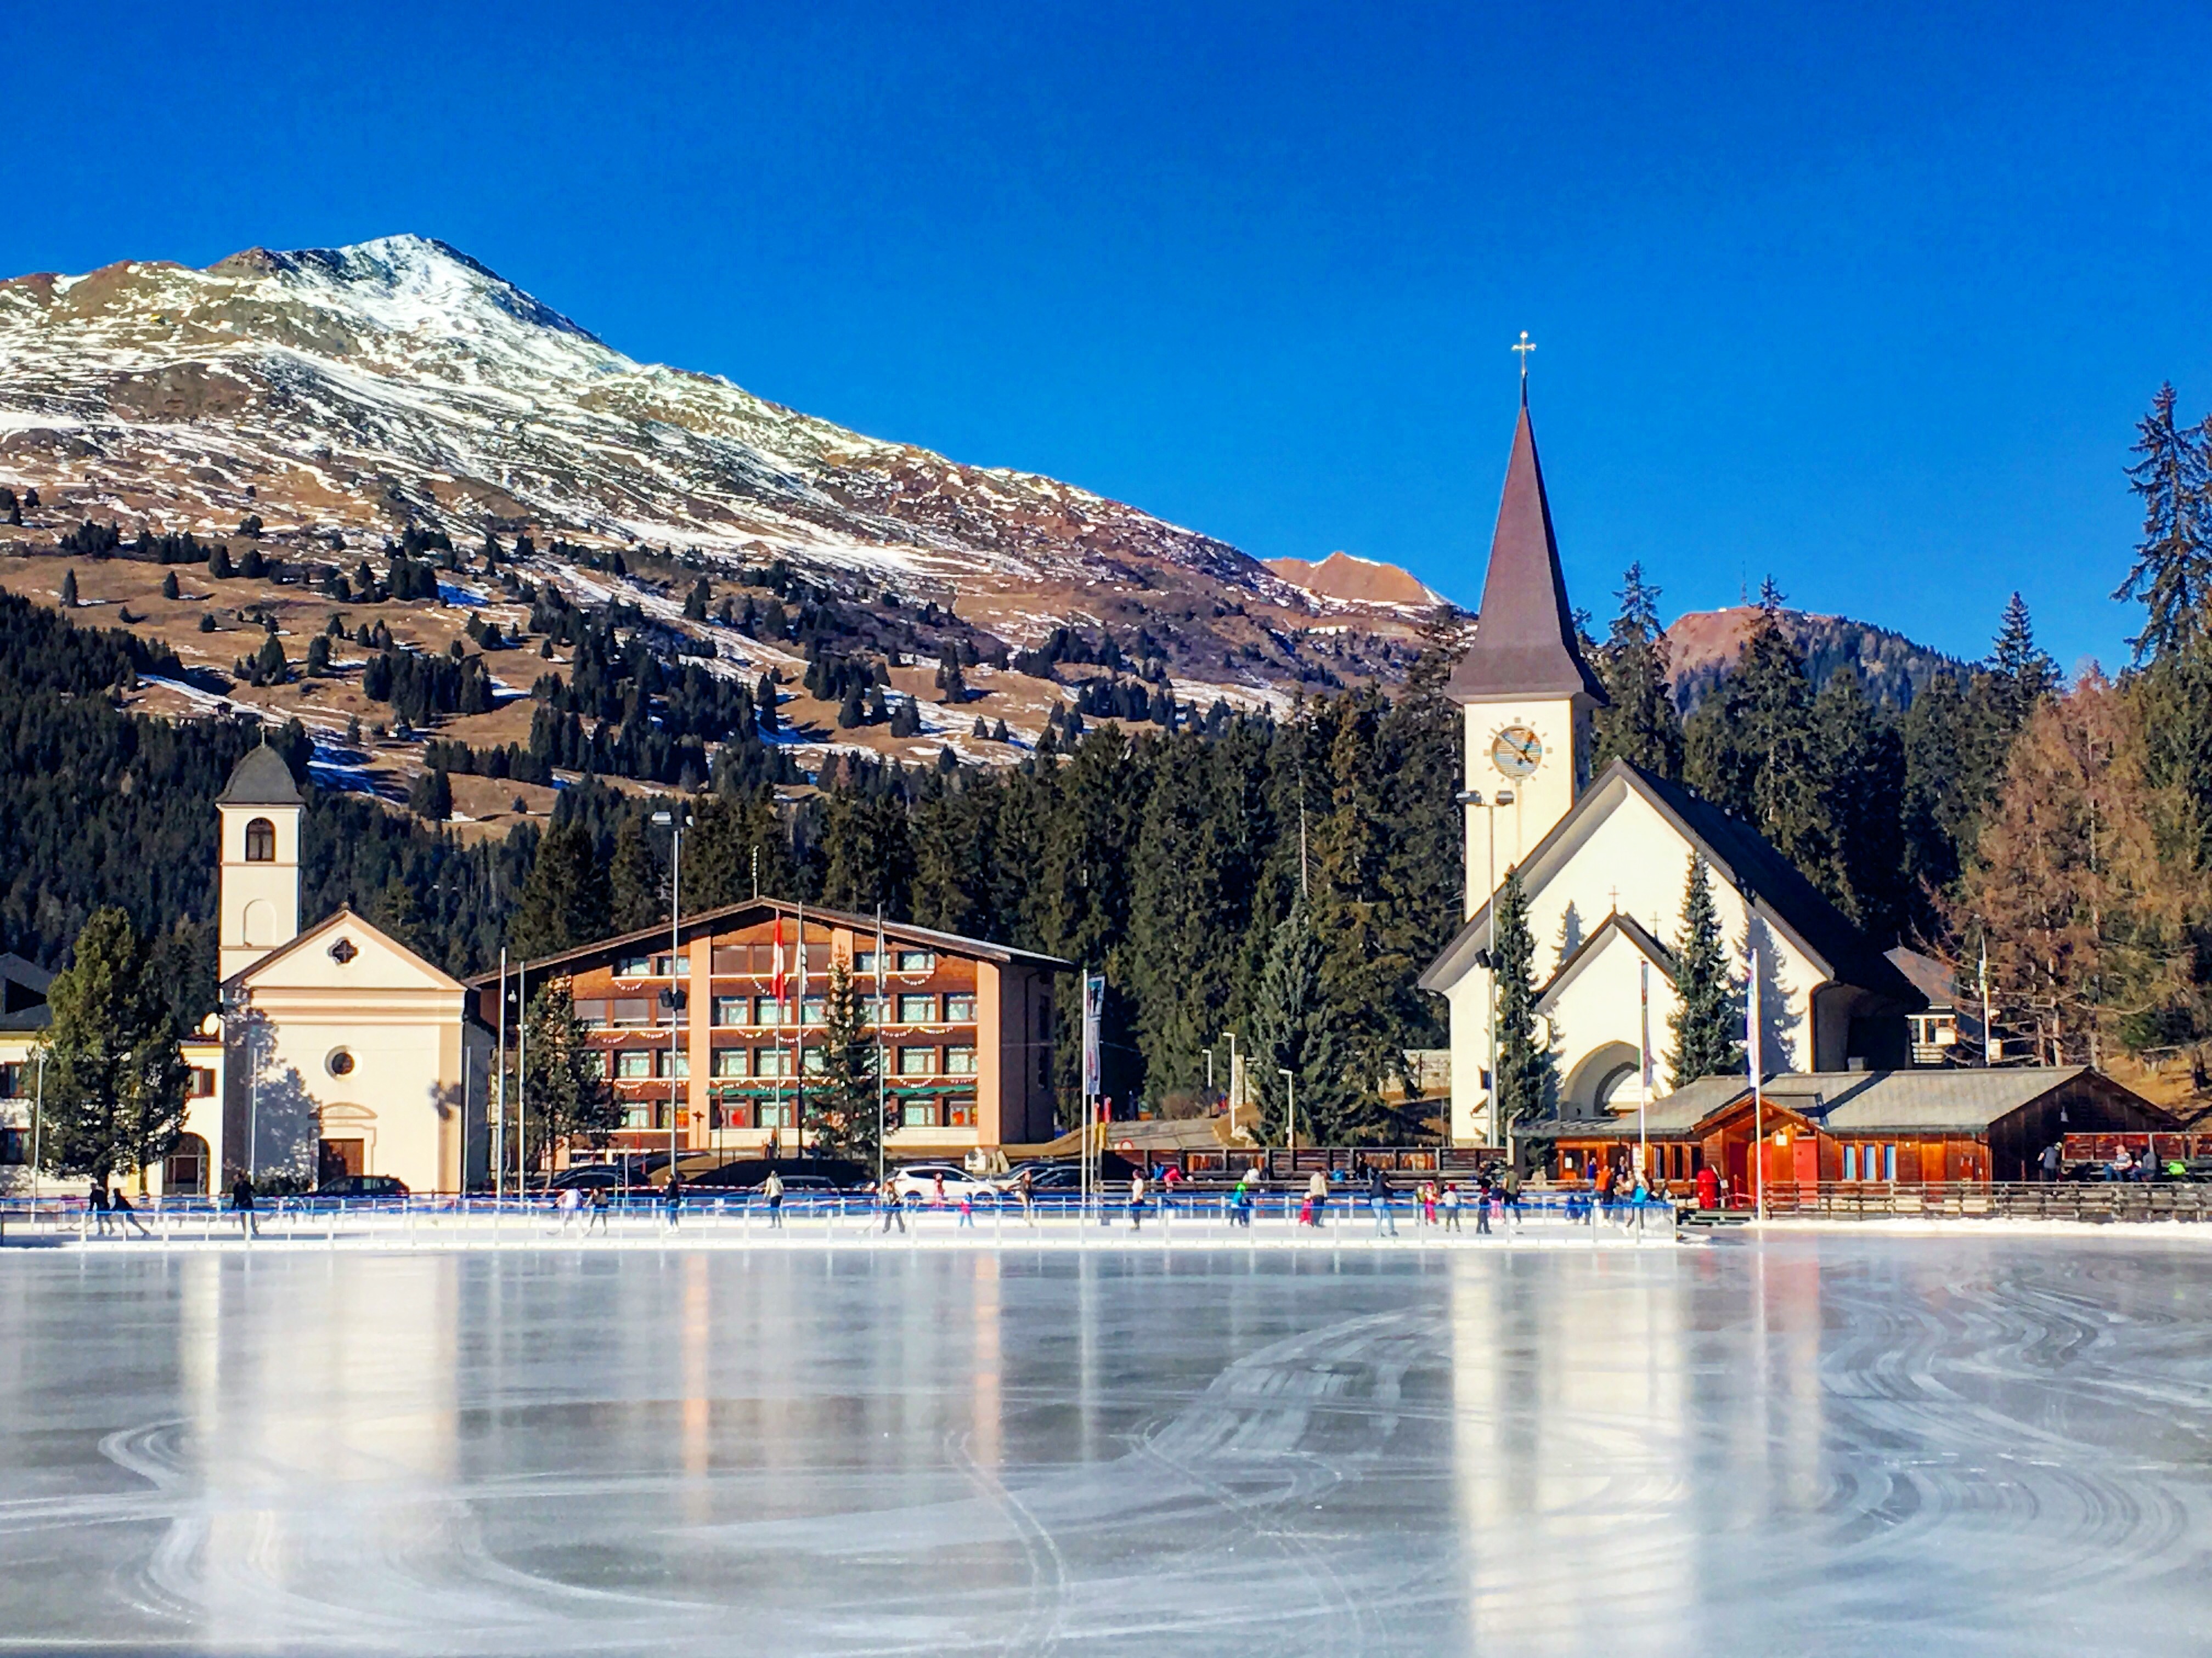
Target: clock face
(1516, 751)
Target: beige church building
(1605, 859)
(344, 1052)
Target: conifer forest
(1285, 878)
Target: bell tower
(1523, 688)
(260, 807)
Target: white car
(917, 1183)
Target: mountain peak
(406, 281)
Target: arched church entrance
(185, 1171)
(1602, 1080)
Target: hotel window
(813, 1010)
(668, 967)
(631, 1063)
(766, 1010)
(637, 1116)
(917, 1062)
(917, 1010)
(773, 1115)
(731, 958)
(813, 1061)
(916, 961)
(200, 1085)
(864, 963)
(1850, 1163)
(731, 1010)
(959, 1009)
(959, 1061)
(729, 1061)
(771, 1062)
(592, 1014)
(961, 1114)
(1889, 1163)
(12, 1073)
(594, 1061)
(633, 967)
(633, 1011)
(661, 1057)
(261, 842)
(917, 1114)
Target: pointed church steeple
(1524, 635)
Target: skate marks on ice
(1823, 1445)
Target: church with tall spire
(1605, 861)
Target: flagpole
(1752, 1059)
(882, 1111)
(799, 1037)
(499, 1123)
(1644, 1069)
(1989, 1029)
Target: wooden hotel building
(966, 1028)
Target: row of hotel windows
(638, 1064)
(1869, 1161)
(595, 1013)
(759, 960)
(784, 1114)
(19, 1080)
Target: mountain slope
(1704, 644)
(342, 395)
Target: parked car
(363, 1186)
(747, 1174)
(593, 1177)
(917, 1183)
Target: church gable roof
(1524, 635)
(342, 952)
(1615, 926)
(1738, 854)
(261, 778)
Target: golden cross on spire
(1524, 349)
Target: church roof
(261, 778)
(1629, 928)
(343, 917)
(1740, 855)
(1964, 1099)
(1524, 635)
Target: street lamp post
(38, 1121)
(1470, 799)
(675, 823)
(1291, 1113)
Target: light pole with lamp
(675, 823)
(1487, 958)
(1290, 1115)
(37, 1120)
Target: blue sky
(1871, 303)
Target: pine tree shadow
(1781, 1030)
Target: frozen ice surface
(1826, 1444)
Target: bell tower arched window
(261, 842)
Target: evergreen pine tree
(1528, 1071)
(1291, 1031)
(569, 1096)
(169, 588)
(432, 796)
(564, 902)
(2172, 575)
(68, 590)
(844, 1105)
(114, 1076)
(1708, 1017)
(637, 896)
(1642, 725)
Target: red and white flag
(779, 957)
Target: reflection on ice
(1970, 1445)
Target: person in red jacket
(1708, 1188)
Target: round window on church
(340, 1062)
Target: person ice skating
(120, 1206)
(967, 1209)
(1136, 1202)
(1378, 1199)
(241, 1204)
(772, 1189)
(1240, 1202)
(671, 1199)
(601, 1204)
(565, 1206)
(1316, 1202)
(1450, 1204)
(1025, 1189)
(1708, 1188)
(894, 1210)
(95, 1209)
(1509, 1198)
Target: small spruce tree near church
(1708, 1020)
(1527, 1079)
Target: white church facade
(1604, 861)
(344, 1052)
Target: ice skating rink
(1819, 1443)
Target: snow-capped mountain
(344, 394)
